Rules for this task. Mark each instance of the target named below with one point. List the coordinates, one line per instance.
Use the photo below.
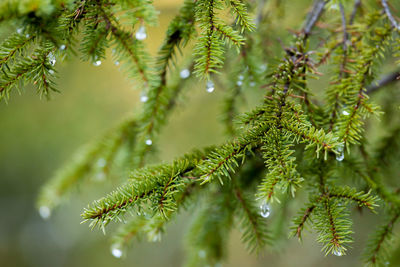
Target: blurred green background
(38, 136)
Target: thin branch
(306, 215)
(387, 230)
(344, 26)
(386, 80)
(357, 5)
(260, 8)
(389, 15)
(313, 16)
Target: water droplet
(206, 178)
(340, 155)
(240, 77)
(149, 142)
(265, 210)
(100, 176)
(52, 59)
(338, 252)
(239, 83)
(334, 7)
(101, 162)
(263, 67)
(19, 30)
(156, 236)
(141, 33)
(210, 86)
(97, 63)
(27, 35)
(143, 97)
(346, 113)
(202, 254)
(252, 84)
(116, 63)
(185, 73)
(116, 251)
(63, 46)
(51, 72)
(44, 212)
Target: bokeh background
(37, 136)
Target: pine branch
(93, 161)
(333, 227)
(253, 226)
(224, 160)
(208, 235)
(148, 184)
(36, 69)
(242, 17)
(313, 16)
(384, 81)
(377, 250)
(160, 98)
(13, 46)
(389, 15)
(300, 222)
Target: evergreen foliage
(299, 142)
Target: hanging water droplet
(149, 142)
(116, 63)
(44, 212)
(19, 30)
(116, 251)
(340, 155)
(51, 72)
(52, 59)
(346, 113)
(27, 35)
(206, 178)
(263, 67)
(202, 254)
(63, 46)
(265, 210)
(334, 7)
(239, 83)
(143, 97)
(185, 73)
(97, 63)
(338, 252)
(141, 33)
(240, 77)
(101, 162)
(210, 86)
(155, 236)
(100, 176)
(252, 84)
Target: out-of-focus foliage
(304, 139)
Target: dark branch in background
(357, 5)
(344, 26)
(260, 9)
(386, 80)
(387, 229)
(342, 73)
(389, 15)
(313, 17)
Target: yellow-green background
(38, 136)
